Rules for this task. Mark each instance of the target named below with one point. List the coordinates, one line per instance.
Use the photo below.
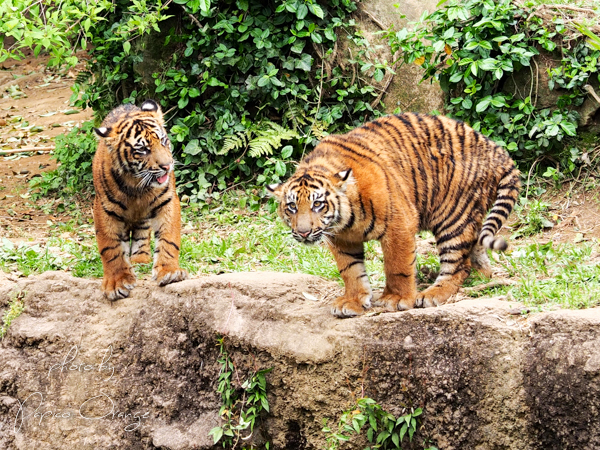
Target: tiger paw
(393, 302)
(435, 296)
(350, 307)
(119, 286)
(164, 276)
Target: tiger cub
(135, 195)
(390, 178)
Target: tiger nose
(165, 167)
(304, 234)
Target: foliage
(59, 28)
(472, 48)
(383, 429)
(59, 254)
(247, 85)
(242, 405)
(74, 152)
(15, 308)
(47, 25)
(531, 218)
(567, 275)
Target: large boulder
(142, 372)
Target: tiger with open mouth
(135, 195)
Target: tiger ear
(343, 178)
(153, 107)
(150, 105)
(276, 190)
(103, 131)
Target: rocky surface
(141, 372)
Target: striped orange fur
(385, 181)
(135, 195)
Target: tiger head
(138, 144)
(313, 203)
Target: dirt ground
(35, 108)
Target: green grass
(566, 275)
(15, 308)
(230, 238)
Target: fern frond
(233, 142)
(296, 115)
(319, 129)
(268, 138)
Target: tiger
(386, 181)
(135, 194)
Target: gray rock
(142, 372)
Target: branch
(27, 149)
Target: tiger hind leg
(480, 260)
(455, 244)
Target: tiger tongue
(162, 179)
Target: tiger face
(139, 147)
(313, 205)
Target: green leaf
(304, 63)
(286, 151)
(483, 104)
(569, 128)
(192, 148)
(316, 10)
(216, 433)
(126, 47)
(302, 11)
(204, 6)
(280, 168)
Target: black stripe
(163, 192)
(403, 275)
(353, 263)
(114, 214)
(171, 243)
(359, 255)
(115, 257)
(155, 210)
(467, 245)
(105, 249)
(372, 224)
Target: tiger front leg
(113, 245)
(399, 259)
(167, 233)
(350, 262)
(140, 244)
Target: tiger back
(135, 195)
(385, 181)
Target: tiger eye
(317, 204)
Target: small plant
(242, 405)
(531, 218)
(74, 152)
(15, 308)
(384, 430)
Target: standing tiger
(135, 195)
(385, 181)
